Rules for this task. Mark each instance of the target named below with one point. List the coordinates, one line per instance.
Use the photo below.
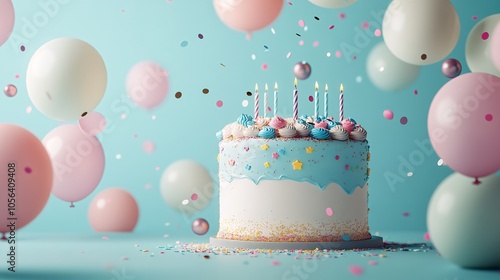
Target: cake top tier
(319, 128)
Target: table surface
(127, 256)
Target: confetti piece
(415, 92)
(27, 169)
(331, 26)
(338, 54)
(301, 23)
(329, 211)
(388, 114)
(249, 93)
(148, 146)
(153, 117)
(301, 42)
(23, 48)
(184, 44)
(194, 196)
(16, 76)
(244, 103)
(485, 35)
(377, 32)
(185, 202)
(359, 79)
(136, 245)
(275, 262)
(123, 116)
(316, 18)
(311, 98)
(355, 270)
(342, 15)
(297, 34)
(440, 162)
(105, 238)
(427, 236)
(372, 262)
(265, 66)
(328, 54)
(488, 117)
(288, 55)
(178, 94)
(474, 17)
(206, 257)
(406, 214)
(253, 57)
(219, 103)
(118, 156)
(409, 174)
(222, 65)
(403, 120)
(200, 36)
(315, 44)
(337, 157)
(124, 258)
(382, 256)
(365, 25)
(266, 48)
(273, 31)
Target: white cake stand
(374, 242)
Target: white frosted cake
(287, 180)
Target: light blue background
(127, 32)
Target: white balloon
(464, 222)
(66, 77)
(388, 72)
(333, 3)
(187, 186)
(421, 32)
(477, 50)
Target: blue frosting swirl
(245, 120)
(352, 120)
(332, 123)
(267, 132)
(218, 134)
(320, 133)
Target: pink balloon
(6, 20)
(26, 176)
(495, 46)
(93, 123)
(248, 16)
(147, 84)
(464, 124)
(113, 210)
(78, 161)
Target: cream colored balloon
(421, 32)
(66, 77)
(388, 72)
(477, 48)
(333, 3)
(463, 221)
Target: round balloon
(302, 70)
(78, 161)
(147, 84)
(495, 47)
(200, 226)
(187, 186)
(478, 52)
(113, 210)
(463, 124)
(92, 123)
(451, 68)
(388, 72)
(6, 20)
(248, 16)
(333, 3)
(26, 177)
(66, 78)
(462, 219)
(421, 32)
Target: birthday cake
(302, 179)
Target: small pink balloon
(147, 84)
(6, 20)
(92, 123)
(248, 16)
(388, 114)
(302, 70)
(10, 90)
(113, 210)
(78, 161)
(457, 127)
(200, 226)
(495, 46)
(26, 172)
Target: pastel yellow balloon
(421, 32)
(333, 3)
(66, 77)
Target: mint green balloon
(387, 72)
(477, 48)
(463, 220)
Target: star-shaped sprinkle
(275, 155)
(248, 167)
(297, 165)
(309, 150)
(282, 151)
(231, 162)
(246, 149)
(267, 164)
(265, 147)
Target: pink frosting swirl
(322, 124)
(348, 125)
(277, 122)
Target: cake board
(374, 242)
